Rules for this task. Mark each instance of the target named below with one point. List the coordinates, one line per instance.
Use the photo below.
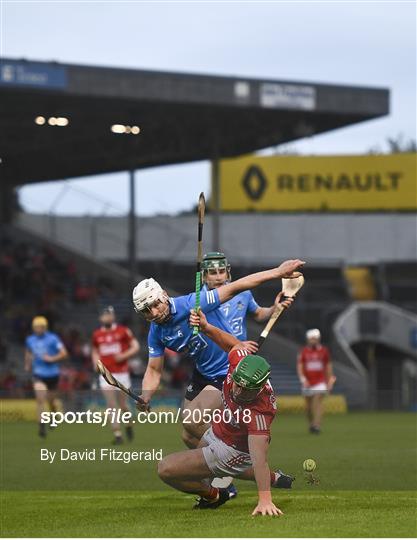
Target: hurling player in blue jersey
(170, 329)
(44, 350)
(217, 272)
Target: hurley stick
(114, 382)
(290, 287)
(201, 211)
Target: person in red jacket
(114, 344)
(315, 372)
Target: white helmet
(146, 293)
(313, 333)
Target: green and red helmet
(252, 372)
(215, 259)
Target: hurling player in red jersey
(315, 372)
(114, 344)
(237, 443)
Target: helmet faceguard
(214, 261)
(147, 295)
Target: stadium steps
(284, 379)
(376, 323)
(82, 317)
(86, 317)
(85, 264)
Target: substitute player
(114, 344)
(315, 372)
(44, 351)
(170, 328)
(216, 271)
(238, 441)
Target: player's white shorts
(223, 460)
(123, 377)
(320, 388)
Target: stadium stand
(34, 280)
(398, 284)
(37, 278)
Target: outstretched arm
(287, 269)
(258, 450)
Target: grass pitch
(366, 465)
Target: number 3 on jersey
(237, 326)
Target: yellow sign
(334, 183)
(12, 410)
(333, 404)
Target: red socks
(211, 494)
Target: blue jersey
(47, 343)
(177, 335)
(236, 310)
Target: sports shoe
(284, 481)
(129, 433)
(204, 504)
(314, 430)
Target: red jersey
(111, 342)
(314, 361)
(238, 421)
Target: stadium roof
(182, 117)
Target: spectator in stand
(315, 372)
(3, 349)
(8, 383)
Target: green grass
(366, 465)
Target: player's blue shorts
(198, 382)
